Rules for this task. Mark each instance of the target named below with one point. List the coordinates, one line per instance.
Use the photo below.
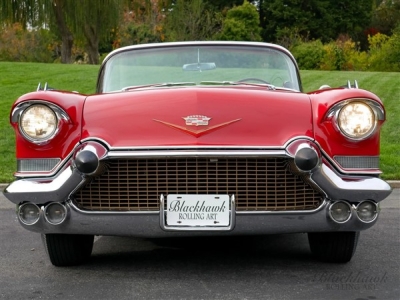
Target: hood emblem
(197, 120)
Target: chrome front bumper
(335, 187)
(148, 224)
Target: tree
(386, 16)
(91, 20)
(316, 19)
(67, 39)
(32, 12)
(87, 19)
(189, 21)
(142, 22)
(241, 24)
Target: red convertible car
(196, 139)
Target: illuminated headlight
(356, 120)
(38, 122)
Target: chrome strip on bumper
(148, 224)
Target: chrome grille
(258, 184)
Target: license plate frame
(186, 212)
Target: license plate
(197, 210)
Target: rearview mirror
(199, 67)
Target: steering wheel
(253, 79)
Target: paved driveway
(270, 267)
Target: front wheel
(337, 247)
(68, 249)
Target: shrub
(344, 55)
(384, 52)
(309, 55)
(241, 24)
(17, 44)
(289, 37)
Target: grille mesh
(37, 165)
(258, 184)
(358, 162)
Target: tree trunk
(92, 44)
(66, 35)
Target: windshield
(199, 65)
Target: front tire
(336, 247)
(68, 249)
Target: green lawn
(19, 78)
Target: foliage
(324, 19)
(190, 21)
(142, 25)
(90, 20)
(309, 55)
(343, 55)
(32, 12)
(386, 16)
(50, 28)
(289, 37)
(223, 4)
(241, 24)
(385, 52)
(17, 44)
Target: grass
(19, 78)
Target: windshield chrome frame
(100, 80)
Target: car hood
(227, 116)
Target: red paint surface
(267, 118)
(240, 116)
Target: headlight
(356, 120)
(38, 122)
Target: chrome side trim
(157, 212)
(206, 147)
(191, 153)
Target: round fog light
(55, 213)
(340, 212)
(29, 213)
(367, 211)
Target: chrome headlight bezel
(377, 113)
(48, 117)
(21, 110)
